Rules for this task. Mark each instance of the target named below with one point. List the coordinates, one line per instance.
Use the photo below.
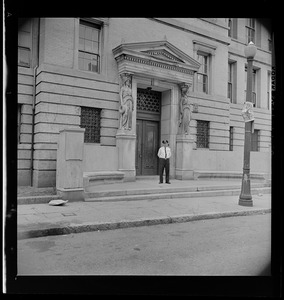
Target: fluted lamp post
(245, 198)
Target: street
(225, 246)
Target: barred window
(91, 121)
(231, 138)
(255, 140)
(202, 134)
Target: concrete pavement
(35, 220)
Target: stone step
(166, 189)
(152, 195)
(227, 175)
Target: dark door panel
(147, 147)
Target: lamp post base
(245, 201)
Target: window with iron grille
(231, 141)
(91, 121)
(255, 140)
(89, 47)
(148, 100)
(202, 134)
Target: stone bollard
(69, 168)
(184, 168)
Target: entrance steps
(227, 175)
(173, 191)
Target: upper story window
(89, 46)
(24, 42)
(19, 121)
(203, 73)
(232, 24)
(269, 90)
(250, 30)
(232, 81)
(254, 87)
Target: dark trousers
(164, 164)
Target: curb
(88, 227)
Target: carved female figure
(126, 103)
(185, 111)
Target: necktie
(165, 152)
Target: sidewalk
(35, 220)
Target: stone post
(126, 155)
(69, 169)
(184, 166)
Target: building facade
(133, 82)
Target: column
(126, 133)
(184, 141)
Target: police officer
(164, 155)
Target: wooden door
(147, 147)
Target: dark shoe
(160, 182)
(168, 182)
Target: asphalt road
(226, 246)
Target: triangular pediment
(163, 55)
(159, 51)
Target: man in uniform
(164, 155)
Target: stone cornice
(156, 55)
(155, 63)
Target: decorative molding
(204, 47)
(156, 64)
(157, 55)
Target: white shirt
(161, 152)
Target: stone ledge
(102, 177)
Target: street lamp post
(245, 198)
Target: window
(250, 30)
(232, 24)
(202, 134)
(202, 74)
(91, 121)
(19, 121)
(231, 141)
(255, 140)
(268, 89)
(269, 45)
(253, 87)
(231, 82)
(89, 47)
(24, 42)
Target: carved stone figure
(126, 102)
(185, 109)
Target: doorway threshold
(147, 177)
